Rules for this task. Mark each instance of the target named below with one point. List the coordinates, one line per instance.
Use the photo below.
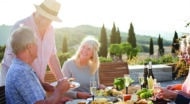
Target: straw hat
(49, 9)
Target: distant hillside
(76, 34)
(4, 34)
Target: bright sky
(146, 15)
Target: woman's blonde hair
(94, 61)
(20, 38)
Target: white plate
(109, 98)
(76, 84)
(75, 101)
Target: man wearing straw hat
(40, 22)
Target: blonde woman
(83, 66)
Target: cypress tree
(113, 36)
(64, 45)
(160, 46)
(103, 41)
(175, 43)
(131, 36)
(118, 36)
(151, 49)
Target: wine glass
(128, 81)
(93, 88)
(156, 89)
(141, 79)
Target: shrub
(181, 69)
(63, 57)
(104, 59)
(165, 59)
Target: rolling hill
(76, 34)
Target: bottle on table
(145, 75)
(150, 73)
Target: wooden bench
(109, 71)
(2, 95)
(49, 77)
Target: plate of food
(73, 84)
(77, 101)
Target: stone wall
(161, 72)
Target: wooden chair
(2, 95)
(109, 71)
(49, 77)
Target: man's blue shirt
(22, 86)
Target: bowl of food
(126, 97)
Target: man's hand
(65, 99)
(63, 85)
(167, 94)
(83, 95)
(47, 87)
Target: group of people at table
(31, 48)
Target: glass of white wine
(141, 79)
(156, 89)
(128, 81)
(93, 88)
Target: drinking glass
(156, 90)
(141, 79)
(93, 88)
(127, 80)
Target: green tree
(118, 36)
(64, 45)
(160, 46)
(115, 51)
(151, 49)
(129, 50)
(123, 48)
(175, 43)
(131, 36)
(126, 48)
(113, 36)
(103, 41)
